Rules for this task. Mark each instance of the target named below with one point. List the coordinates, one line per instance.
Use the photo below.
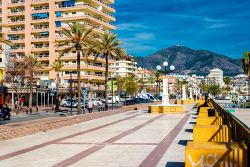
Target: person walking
(21, 102)
(16, 102)
(90, 106)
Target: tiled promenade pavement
(243, 115)
(130, 139)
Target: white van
(116, 99)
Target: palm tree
(246, 63)
(203, 86)
(3, 40)
(57, 66)
(109, 47)
(227, 81)
(31, 65)
(156, 78)
(79, 38)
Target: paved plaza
(129, 139)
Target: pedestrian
(21, 102)
(90, 106)
(15, 102)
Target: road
(41, 115)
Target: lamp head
(172, 67)
(158, 67)
(165, 63)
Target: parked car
(67, 102)
(141, 100)
(75, 103)
(114, 99)
(97, 102)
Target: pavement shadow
(194, 117)
(175, 164)
(183, 142)
(192, 123)
(189, 130)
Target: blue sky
(221, 26)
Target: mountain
(190, 61)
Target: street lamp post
(71, 92)
(112, 90)
(165, 96)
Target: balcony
(16, 56)
(100, 21)
(94, 28)
(34, 2)
(40, 28)
(16, 49)
(40, 38)
(92, 67)
(16, 13)
(105, 6)
(18, 30)
(40, 20)
(89, 8)
(16, 22)
(90, 18)
(40, 48)
(72, 56)
(17, 39)
(40, 9)
(15, 3)
(84, 76)
(43, 57)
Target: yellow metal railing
(240, 131)
(219, 139)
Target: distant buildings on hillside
(216, 76)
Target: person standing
(90, 106)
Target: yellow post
(201, 154)
(212, 133)
(209, 121)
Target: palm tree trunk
(106, 83)
(31, 93)
(79, 82)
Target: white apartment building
(124, 67)
(216, 76)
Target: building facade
(35, 25)
(124, 67)
(216, 76)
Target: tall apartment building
(216, 76)
(35, 25)
(124, 67)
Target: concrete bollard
(209, 121)
(201, 154)
(212, 133)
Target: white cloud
(144, 36)
(129, 26)
(217, 25)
